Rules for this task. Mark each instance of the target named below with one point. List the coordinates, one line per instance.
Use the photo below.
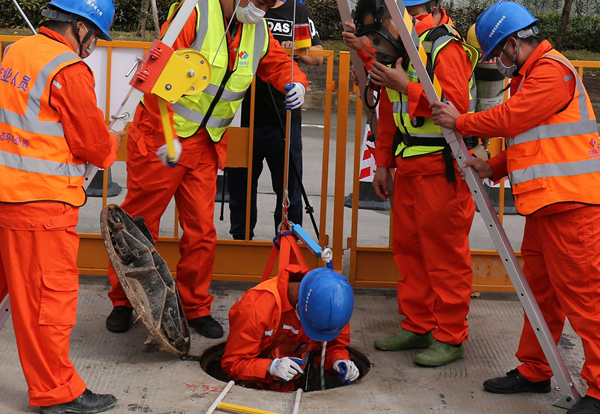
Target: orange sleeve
(275, 67)
(87, 134)
(386, 131)
(248, 321)
(499, 166)
(336, 349)
(453, 70)
(543, 93)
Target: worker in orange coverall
(200, 122)
(275, 326)
(433, 211)
(552, 162)
(50, 127)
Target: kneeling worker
(275, 325)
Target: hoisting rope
(288, 132)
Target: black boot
(514, 383)
(206, 326)
(587, 405)
(119, 320)
(86, 403)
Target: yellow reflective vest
(215, 107)
(433, 40)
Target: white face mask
(507, 71)
(92, 46)
(249, 14)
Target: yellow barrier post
(352, 240)
(340, 160)
(329, 88)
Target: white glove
(347, 370)
(164, 157)
(286, 368)
(294, 98)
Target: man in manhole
(280, 326)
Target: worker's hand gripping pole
(359, 70)
(134, 96)
(417, 56)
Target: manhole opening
(210, 361)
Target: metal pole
(297, 402)
(24, 16)
(415, 50)
(4, 311)
(214, 405)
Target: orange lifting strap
(288, 251)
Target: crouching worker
(276, 326)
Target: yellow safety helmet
(472, 39)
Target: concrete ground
(148, 380)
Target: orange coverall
(431, 217)
(39, 246)
(255, 337)
(561, 242)
(151, 185)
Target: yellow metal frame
(251, 256)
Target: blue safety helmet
(99, 12)
(325, 304)
(408, 3)
(499, 21)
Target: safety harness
(429, 43)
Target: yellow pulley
(186, 73)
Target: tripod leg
(221, 216)
(4, 311)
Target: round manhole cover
(210, 361)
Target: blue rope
(285, 233)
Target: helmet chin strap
(87, 37)
(516, 58)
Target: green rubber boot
(404, 340)
(440, 353)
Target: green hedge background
(583, 32)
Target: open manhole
(210, 361)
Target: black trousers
(269, 145)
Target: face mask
(507, 71)
(88, 50)
(91, 47)
(249, 14)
